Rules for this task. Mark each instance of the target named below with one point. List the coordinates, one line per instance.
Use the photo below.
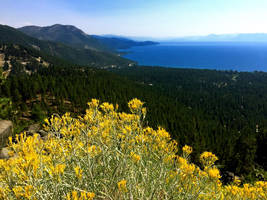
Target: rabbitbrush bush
(110, 155)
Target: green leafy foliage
(5, 108)
(5, 103)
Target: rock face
(34, 128)
(6, 129)
(4, 153)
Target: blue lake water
(220, 56)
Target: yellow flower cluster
(78, 172)
(256, 191)
(135, 106)
(110, 155)
(122, 185)
(83, 196)
(187, 149)
(214, 173)
(135, 157)
(208, 158)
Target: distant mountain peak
(75, 37)
(55, 27)
(67, 34)
(64, 27)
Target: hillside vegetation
(106, 154)
(89, 57)
(228, 112)
(16, 59)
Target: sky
(148, 18)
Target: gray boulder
(6, 130)
(4, 153)
(34, 128)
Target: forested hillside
(89, 57)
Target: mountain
(71, 35)
(69, 53)
(243, 37)
(65, 34)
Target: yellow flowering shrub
(110, 155)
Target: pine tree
(5, 103)
(6, 66)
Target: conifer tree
(5, 103)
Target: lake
(203, 55)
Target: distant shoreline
(221, 56)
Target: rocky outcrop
(6, 129)
(32, 129)
(36, 129)
(4, 153)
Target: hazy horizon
(167, 38)
(138, 18)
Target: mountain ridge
(238, 37)
(61, 50)
(73, 36)
(66, 34)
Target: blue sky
(153, 18)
